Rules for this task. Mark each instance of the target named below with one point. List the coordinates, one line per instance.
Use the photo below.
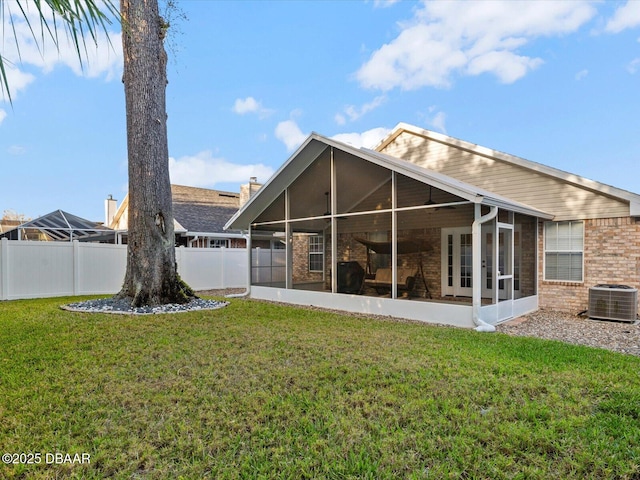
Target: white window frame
(219, 243)
(316, 241)
(572, 249)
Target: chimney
(109, 210)
(248, 190)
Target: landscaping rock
(111, 305)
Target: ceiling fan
(431, 202)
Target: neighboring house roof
(316, 144)
(196, 211)
(543, 185)
(61, 226)
(6, 225)
(201, 210)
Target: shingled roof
(200, 210)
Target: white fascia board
(213, 235)
(177, 228)
(516, 207)
(281, 179)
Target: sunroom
(360, 231)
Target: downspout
(247, 292)
(476, 235)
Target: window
(563, 251)
(316, 253)
(219, 243)
(278, 245)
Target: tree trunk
(151, 277)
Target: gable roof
(195, 210)
(631, 198)
(201, 210)
(316, 144)
(62, 226)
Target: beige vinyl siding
(564, 200)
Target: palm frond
(80, 19)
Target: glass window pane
(551, 236)
(564, 244)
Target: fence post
(222, 269)
(76, 267)
(4, 269)
(179, 263)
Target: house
(433, 228)
(199, 216)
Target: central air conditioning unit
(613, 302)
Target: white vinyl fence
(50, 269)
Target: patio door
(488, 261)
(498, 269)
(497, 262)
(457, 256)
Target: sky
(554, 82)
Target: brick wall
(352, 250)
(611, 255)
(526, 236)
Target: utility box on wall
(613, 302)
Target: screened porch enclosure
(347, 225)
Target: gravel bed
(111, 305)
(222, 292)
(623, 337)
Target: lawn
(258, 390)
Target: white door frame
(456, 277)
(500, 272)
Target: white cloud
(582, 74)
(339, 119)
(507, 66)
(468, 38)
(437, 122)
(16, 150)
(17, 80)
(368, 139)
(3, 115)
(384, 3)
(626, 16)
(290, 134)
(354, 113)
(435, 119)
(250, 105)
(634, 66)
(204, 170)
(102, 58)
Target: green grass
(257, 390)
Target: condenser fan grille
(613, 302)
